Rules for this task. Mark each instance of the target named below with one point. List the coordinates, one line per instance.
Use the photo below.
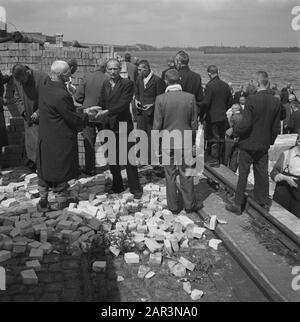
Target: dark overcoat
(3, 133)
(57, 154)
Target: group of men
(174, 102)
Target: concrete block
(36, 253)
(178, 270)
(34, 244)
(198, 232)
(187, 287)
(155, 259)
(6, 229)
(213, 222)
(99, 267)
(168, 215)
(29, 277)
(168, 246)
(31, 178)
(38, 228)
(4, 255)
(114, 250)
(15, 232)
(9, 203)
(131, 258)
(187, 264)
(64, 225)
(184, 220)
(46, 248)
(214, 243)
(143, 229)
(152, 245)
(196, 295)
(143, 271)
(35, 265)
(19, 249)
(94, 223)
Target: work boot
(234, 209)
(43, 205)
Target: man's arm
(276, 124)
(17, 100)
(246, 123)
(199, 96)
(194, 120)
(160, 87)
(124, 99)
(206, 102)
(66, 109)
(80, 92)
(158, 117)
(230, 100)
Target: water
(236, 68)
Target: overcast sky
(159, 22)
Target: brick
(196, 295)
(143, 271)
(213, 222)
(94, 223)
(4, 255)
(43, 236)
(155, 259)
(19, 249)
(9, 203)
(34, 244)
(64, 225)
(184, 220)
(152, 245)
(35, 265)
(99, 266)
(168, 215)
(46, 248)
(178, 270)
(142, 229)
(15, 232)
(36, 253)
(6, 229)
(131, 258)
(198, 232)
(168, 246)
(214, 243)
(187, 264)
(38, 228)
(29, 277)
(30, 178)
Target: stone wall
(40, 58)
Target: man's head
(172, 77)
(144, 68)
(128, 57)
(102, 65)
(171, 62)
(113, 68)
(181, 59)
(262, 78)
(212, 71)
(21, 73)
(60, 71)
(242, 100)
(73, 65)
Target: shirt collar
(147, 79)
(174, 88)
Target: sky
(159, 22)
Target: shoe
(138, 195)
(234, 209)
(266, 207)
(195, 210)
(43, 205)
(175, 212)
(214, 164)
(112, 191)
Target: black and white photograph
(149, 154)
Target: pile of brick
(131, 227)
(40, 58)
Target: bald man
(27, 83)
(57, 160)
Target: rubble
(4, 255)
(99, 266)
(29, 277)
(196, 295)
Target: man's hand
(291, 181)
(34, 117)
(101, 115)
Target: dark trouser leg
(244, 169)
(218, 136)
(117, 178)
(261, 178)
(61, 190)
(186, 187)
(43, 187)
(170, 174)
(89, 136)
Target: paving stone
(4, 255)
(131, 258)
(29, 277)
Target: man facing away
(257, 131)
(115, 99)
(89, 94)
(27, 84)
(190, 81)
(57, 160)
(148, 87)
(217, 100)
(177, 110)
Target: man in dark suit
(88, 94)
(116, 96)
(190, 81)
(177, 110)
(132, 70)
(257, 131)
(148, 87)
(216, 102)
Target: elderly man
(148, 87)
(115, 99)
(177, 110)
(89, 94)
(257, 131)
(27, 84)
(217, 100)
(190, 81)
(57, 143)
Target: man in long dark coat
(3, 133)
(27, 84)
(57, 158)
